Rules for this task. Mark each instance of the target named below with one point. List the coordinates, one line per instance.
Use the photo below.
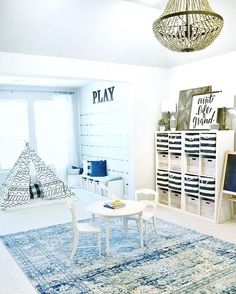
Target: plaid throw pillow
(36, 191)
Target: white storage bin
(208, 166)
(162, 142)
(191, 184)
(91, 187)
(97, 188)
(192, 203)
(163, 196)
(207, 208)
(175, 181)
(163, 160)
(193, 164)
(84, 183)
(175, 162)
(175, 199)
(162, 178)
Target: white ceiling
(41, 81)
(103, 30)
(160, 4)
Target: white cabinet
(108, 186)
(73, 181)
(189, 168)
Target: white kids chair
(81, 228)
(149, 198)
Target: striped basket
(192, 143)
(207, 187)
(208, 143)
(162, 142)
(162, 178)
(175, 142)
(191, 184)
(175, 181)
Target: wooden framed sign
(185, 105)
(204, 110)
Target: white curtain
(55, 134)
(14, 131)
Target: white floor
(12, 280)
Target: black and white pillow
(36, 191)
(86, 167)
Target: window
(45, 122)
(14, 131)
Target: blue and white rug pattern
(177, 260)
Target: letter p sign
(95, 95)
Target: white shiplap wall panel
(105, 128)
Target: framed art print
(185, 105)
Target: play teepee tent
(16, 188)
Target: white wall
(105, 128)
(217, 71)
(147, 85)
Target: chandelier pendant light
(187, 25)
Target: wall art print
(185, 105)
(204, 110)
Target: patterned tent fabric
(15, 189)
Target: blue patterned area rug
(178, 260)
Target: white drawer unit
(106, 186)
(73, 181)
(189, 167)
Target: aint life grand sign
(204, 110)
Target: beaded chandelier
(187, 25)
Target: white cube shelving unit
(189, 168)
